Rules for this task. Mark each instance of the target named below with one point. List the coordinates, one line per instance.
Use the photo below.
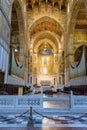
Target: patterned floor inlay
(38, 121)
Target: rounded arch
(79, 51)
(45, 40)
(76, 6)
(45, 18)
(18, 5)
(56, 26)
(17, 44)
(77, 24)
(48, 35)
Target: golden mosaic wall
(80, 37)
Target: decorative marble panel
(6, 102)
(80, 101)
(29, 101)
(21, 102)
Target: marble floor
(47, 128)
(40, 128)
(42, 123)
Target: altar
(45, 83)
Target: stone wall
(4, 35)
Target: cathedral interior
(43, 43)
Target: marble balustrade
(22, 102)
(9, 103)
(78, 101)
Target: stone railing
(15, 103)
(18, 104)
(78, 101)
(56, 99)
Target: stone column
(52, 7)
(30, 61)
(69, 58)
(7, 67)
(24, 55)
(1, 57)
(71, 49)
